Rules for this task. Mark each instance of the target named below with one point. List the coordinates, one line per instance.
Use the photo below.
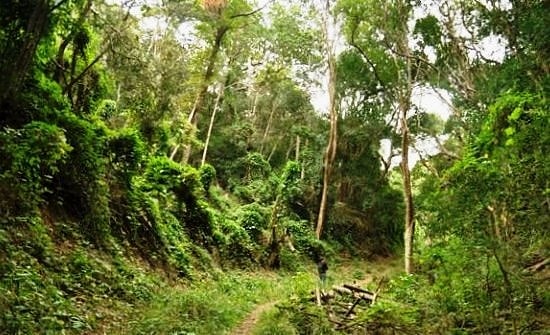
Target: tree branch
(251, 12)
(365, 56)
(56, 6)
(86, 69)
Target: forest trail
(247, 325)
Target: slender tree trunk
(272, 152)
(275, 248)
(409, 206)
(404, 106)
(303, 172)
(330, 152)
(268, 126)
(297, 150)
(212, 118)
(254, 105)
(208, 74)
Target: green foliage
(81, 185)
(275, 322)
(46, 289)
(205, 307)
(390, 318)
(490, 208)
(255, 166)
(254, 219)
(127, 153)
(429, 30)
(376, 231)
(289, 186)
(236, 244)
(32, 156)
(207, 175)
(291, 36)
(304, 240)
(175, 211)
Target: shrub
(207, 175)
(236, 245)
(81, 182)
(254, 166)
(127, 152)
(253, 218)
(31, 157)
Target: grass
(54, 285)
(212, 305)
(282, 321)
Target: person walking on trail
(322, 268)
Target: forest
(182, 166)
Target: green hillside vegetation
(163, 168)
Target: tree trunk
(274, 246)
(330, 152)
(404, 106)
(297, 150)
(268, 126)
(303, 172)
(409, 206)
(17, 61)
(404, 94)
(213, 117)
(208, 74)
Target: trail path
(248, 324)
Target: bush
(31, 157)
(253, 218)
(235, 243)
(127, 153)
(207, 175)
(173, 211)
(81, 183)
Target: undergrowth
(214, 304)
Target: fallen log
(357, 289)
(342, 290)
(352, 307)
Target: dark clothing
(322, 267)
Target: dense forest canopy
(186, 137)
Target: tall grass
(213, 305)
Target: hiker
(322, 267)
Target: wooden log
(352, 307)
(342, 290)
(367, 295)
(357, 289)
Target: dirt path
(247, 325)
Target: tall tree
(222, 17)
(380, 34)
(329, 27)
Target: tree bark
(404, 106)
(212, 118)
(407, 190)
(274, 246)
(268, 126)
(17, 61)
(330, 152)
